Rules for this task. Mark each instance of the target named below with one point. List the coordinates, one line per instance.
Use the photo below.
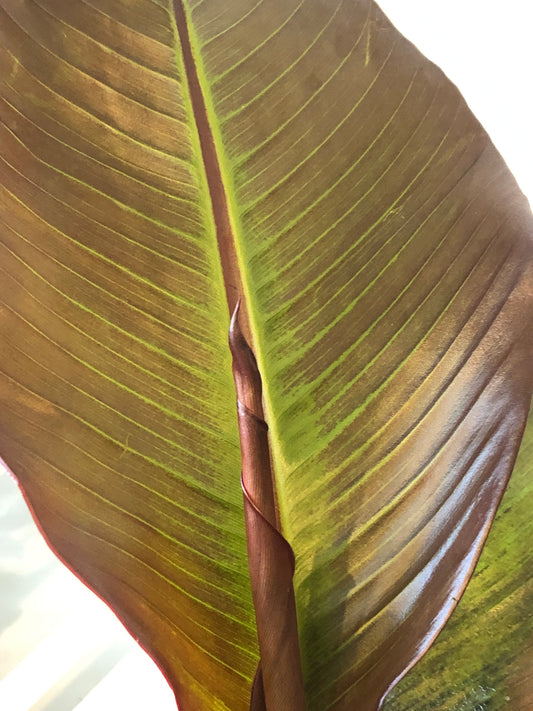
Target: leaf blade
(376, 322)
(112, 351)
(491, 641)
(453, 272)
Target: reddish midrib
(217, 192)
(290, 679)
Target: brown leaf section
(278, 685)
(217, 192)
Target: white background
(486, 48)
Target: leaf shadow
(322, 633)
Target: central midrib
(228, 243)
(213, 172)
(233, 283)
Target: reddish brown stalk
(217, 192)
(278, 685)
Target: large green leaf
(160, 159)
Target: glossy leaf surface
(270, 557)
(301, 153)
(484, 656)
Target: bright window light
(485, 48)
(61, 647)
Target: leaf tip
(235, 333)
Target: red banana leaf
(160, 160)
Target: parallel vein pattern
(387, 268)
(483, 656)
(116, 386)
(383, 253)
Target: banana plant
(299, 164)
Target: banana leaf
(161, 160)
(483, 659)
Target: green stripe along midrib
(209, 324)
(218, 173)
(209, 146)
